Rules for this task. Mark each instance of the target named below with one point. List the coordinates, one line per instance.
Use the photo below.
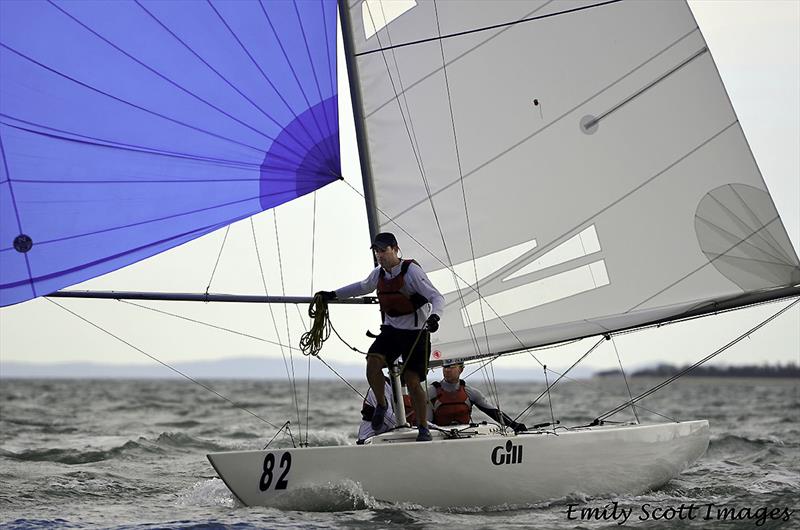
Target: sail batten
(636, 139)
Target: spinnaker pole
(204, 297)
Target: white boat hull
(484, 470)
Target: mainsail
(128, 128)
(603, 182)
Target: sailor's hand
(519, 427)
(433, 323)
(327, 295)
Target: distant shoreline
(787, 371)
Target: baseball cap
(383, 240)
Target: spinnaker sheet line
(219, 256)
(189, 378)
(289, 376)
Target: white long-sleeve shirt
(415, 281)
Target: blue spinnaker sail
(130, 127)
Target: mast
(358, 118)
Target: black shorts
(413, 346)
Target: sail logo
(552, 276)
(510, 454)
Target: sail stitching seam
(709, 262)
(30, 280)
(173, 216)
(134, 105)
(593, 122)
(486, 28)
(763, 237)
(552, 122)
(264, 75)
(229, 83)
(162, 76)
(291, 67)
(456, 58)
(313, 72)
(778, 260)
(70, 136)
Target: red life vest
(392, 301)
(451, 407)
(368, 410)
(411, 416)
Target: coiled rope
(311, 341)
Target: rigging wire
(688, 369)
(216, 263)
(233, 331)
(410, 133)
(434, 256)
(565, 376)
(624, 377)
(185, 376)
(561, 376)
(207, 324)
(272, 314)
(549, 400)
(487, 28)
(311, 341)
(302, 320)
(286, 318)
(490, 380)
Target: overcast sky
(756, 46)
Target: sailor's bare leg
(375, 364)
(418, 397)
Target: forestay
(127, 128)
(581, 160)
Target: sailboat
(562, 170)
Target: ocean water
(131, 454)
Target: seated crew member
(365, 430)
(411, 308)
(452, 400)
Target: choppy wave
(132, 455)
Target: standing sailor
(410, 308)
